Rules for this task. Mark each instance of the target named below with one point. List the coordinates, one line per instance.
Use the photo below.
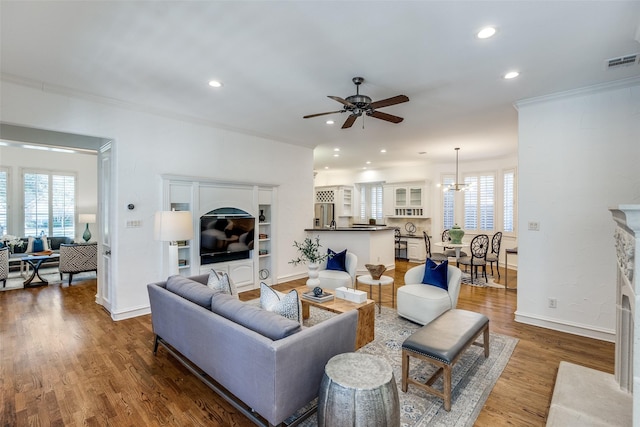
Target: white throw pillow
(45, 244)
(221, 282)
(287, 305)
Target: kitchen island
(372, 244)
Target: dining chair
(450, 252)
(494, 255)
(479, 247)
(436, 257)
(401, 245)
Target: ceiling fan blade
(388, 117)
(350, 121)
(341, 101)
(389, 101)
(322, 114)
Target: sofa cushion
(287, 305)
(436, 274)
(266, 323)
(191, 290)
(337, 260)
(221, 282)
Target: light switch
(534, 226)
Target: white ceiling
(278, 61)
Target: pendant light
(456, 186)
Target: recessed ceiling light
(336, 149)
(511, 75)
(383, 151)
(326, 167)
(336, 155)
(364, 168)
(486, 32)
(330, 122)
(215, 83)
(368, 162)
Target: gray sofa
(265, 363)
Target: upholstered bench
(441, 343)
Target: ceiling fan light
(511, 75)
(215, 83)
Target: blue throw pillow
(436, 274)
(38, 245)
(337, 261)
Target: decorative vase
(262, 218)
(375, 270)
(456, 233)
(313, 280)
(87, 234)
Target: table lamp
(87, 219)
(171, 226)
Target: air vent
(622, 61)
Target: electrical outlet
(553, 303)
(534, 226)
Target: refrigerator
(323, 215)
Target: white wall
(148, 145)
(579, 154)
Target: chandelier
(456, 186)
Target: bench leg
(486, 341)
(405, 370)
(446, 379)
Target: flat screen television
(226, 234)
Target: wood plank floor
(64, 362)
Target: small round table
(358, 390)
(383, 280)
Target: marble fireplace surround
(593, 398)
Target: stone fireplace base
(585, 397)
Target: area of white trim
(568, 327)
(133, 312)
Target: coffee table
(36, 261)
(366, 313)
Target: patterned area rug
(473, 377)
(50, 274)
(480, 282)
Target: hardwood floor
(64, 362)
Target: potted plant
(310, 254)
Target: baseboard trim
(564, 326)
(128, 314)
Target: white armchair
(332, 279)
(422, 303)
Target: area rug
(480, 282)
(473, 377)
(50, 274)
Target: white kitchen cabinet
(416, 250)
(407, 200)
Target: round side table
(383, 280)
(358, 390)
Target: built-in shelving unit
(264, 243)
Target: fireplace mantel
(627, 362)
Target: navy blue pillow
(38, 245)
(338, 261)
(436, 274)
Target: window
(509, 206)
(49, 204)
(479, 203)
(371, 201)
(4, 201)
(448, 203)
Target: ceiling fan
(358, 104)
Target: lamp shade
(173, 225)
(87, 218)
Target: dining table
(456, 246)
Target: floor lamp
(171, 226)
